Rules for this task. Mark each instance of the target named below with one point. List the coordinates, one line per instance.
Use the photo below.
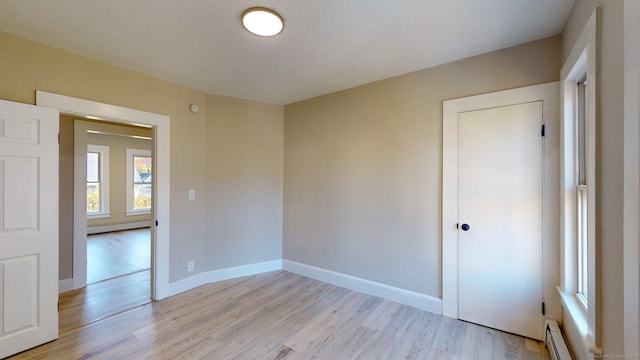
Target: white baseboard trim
(65, 285)
(118, 227)
(208, 277)
(417, 300)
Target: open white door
(28, 226)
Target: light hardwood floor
(118, 278)
(117, 253)
(281, 315)
(103, 299)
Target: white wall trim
(80, 146)
(631, 214)
(65, 285)
(104, 215)
(417, 300)
(213, 276)
(402, 296)
(161, 125)
(549, 95)
(118, 227)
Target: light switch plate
(192, 194)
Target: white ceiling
(327, 45)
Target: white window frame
(580, 63)
(103, 175)
(130, 154)
(581, 104)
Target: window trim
(103, 150)
(130, 154)
(581, 62)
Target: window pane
(582, 272)
(93, 197)
(581, 127)
(141, 169)
(141, 196)
(93, 167)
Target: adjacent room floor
(118, 278)
(117, 253)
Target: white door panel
(21, 176)
(500, 198)
(28, 226)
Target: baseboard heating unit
(555, 342)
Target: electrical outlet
(190, 266)
(192, 194)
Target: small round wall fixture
(194, 108)
(262, 21)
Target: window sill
(578, 315)
(575, 311)
(138, 212)
(99, 215)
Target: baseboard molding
(65, 285)
(118, 227)
(417, 300)
(208, 277)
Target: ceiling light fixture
(262, 21)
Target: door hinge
(58, 138)
(156, 222)
(543, 131)
(543, 311)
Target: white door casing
(161, 128)
(548, 95)
(500, 200)
(28, 226)
(631, 219)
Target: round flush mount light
(262, 21)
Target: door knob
(465, 227)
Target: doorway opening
(117, 183)
(160, 210)
(111, 182)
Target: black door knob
(465, 227)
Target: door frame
(549, 94)
(160, 125)
(631, 213)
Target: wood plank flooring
(117, 253)
(103, 299)
(280, 315)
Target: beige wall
(26, 66)
(363, 167)
(244, 202)
(610, 170)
